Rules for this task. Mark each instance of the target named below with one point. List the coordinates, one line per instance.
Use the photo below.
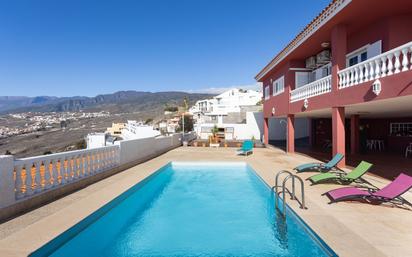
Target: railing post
(7, 184)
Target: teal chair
(322, 167)
(247, 148)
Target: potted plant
(214, 131)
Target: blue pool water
(188, 209)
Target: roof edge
(323, 17)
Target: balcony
(391, 62)
(386, 64)
(317, 87)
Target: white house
(95, 140)
(251, 128)
(229, 101)
(131, 130)
(235, 112)
(136, 130)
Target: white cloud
(218, 90)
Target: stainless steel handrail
(284, 189)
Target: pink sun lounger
(390, 192)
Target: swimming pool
(191, 209)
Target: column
(266, 131)
(290, 134)
(7, 184)
(338, 132)
(354, 134)
(339, 49)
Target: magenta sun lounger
(390, 192)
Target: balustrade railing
(391, 62)
(37, 174)
(318, 87)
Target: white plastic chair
(369, 144)
(408, 150)
(381, 145)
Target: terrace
(349, 228)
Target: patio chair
(408, 150)
(247, 148)
(323, 167)
(342, 178)
(390, 192)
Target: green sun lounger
(355, 174)
(320, 166)
(247, 148)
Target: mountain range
(118, 102)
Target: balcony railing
(37, 174)
(391, 62)
(318, 87)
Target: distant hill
(119, 102)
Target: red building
(350, 72)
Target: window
(401, 128)
(229, 130)
(358, 58)
(267, 93)
(321, 72)
(363, 53)
(278, 86)
(302, 78)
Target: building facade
(235, 112)
(116, 129)
(232, 100)
(350, 72)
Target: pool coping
(350, 229)
(65, 236)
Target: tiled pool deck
(351, 229)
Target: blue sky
(84, 47)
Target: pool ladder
(285, 189)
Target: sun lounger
(390, 192)
(355, 174)
(320, 166)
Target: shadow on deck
(385, 164)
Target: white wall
(136, 132)
(96, 140)
(7, 184)
(115, 158)
(138, 149)
(277, 128)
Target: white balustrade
(37, 174)
(318, 87)
(386, 64)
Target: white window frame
(400, 127)
(280, 82)
(267, 92)
(358, 52)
